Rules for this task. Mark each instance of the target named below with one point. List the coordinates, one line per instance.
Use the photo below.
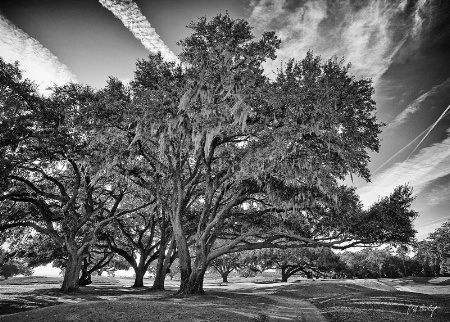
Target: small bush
(8, 270)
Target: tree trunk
(85, 278)
(164, 262)
(72, 273)
(160, 276)
(139, 272)
(184, 257)
(284, 275)
(160, 272)
(224, 277)
(194, 284)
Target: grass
(350, 302)
(253, 299)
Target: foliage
(57, 184)
(211, 156)
(225, 264)
(250, 161)
(10, 267)
(434, 253)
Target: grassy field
(111, 299)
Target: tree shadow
(431, 280)
(37, 298)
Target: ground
(252, 299)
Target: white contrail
(430, 164)
(431, 128)
(418, 103)
(37, 62)
(427, 130)
(128, 12)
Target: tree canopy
(216, 155)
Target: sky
(403, 46)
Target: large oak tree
(250, 161)
(54, 180)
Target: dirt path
(297, 310)
(278, 308)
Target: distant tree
(10, 267)
(100, 259)
(440, 247)
(173, 269)
(375, 260)
(225, 264)
(402, 253)
(136, 239)
(310, 262)
(428, 258)
(255, 261)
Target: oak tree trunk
(284, 275)
(139, 272)
(224, 277)
(184, 258)
(158, 283)
(194, 284)
(163, 264)
(72, 273)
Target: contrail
(37, 62)
(430, 129)
(128, 12)
(435, 221)
(427, 131)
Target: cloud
(366, 33)
(438, 195)
(128, 12)
(37, 62)
(430, 226)
(429, 164)
(417, 104)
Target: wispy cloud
(37, 62)
(438, 195)
(430, 226)
(418, 103)
(131, 16)
(368, 34)
(429, 164)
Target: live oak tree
(440, 247)
(136, 239)
(148, 233)
(233, 160)
(249, 161)
(54, 182)
(428, 258)
(97, 260)
(307, 261)
(225, 264)
(9, 266)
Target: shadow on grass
(37, 298)
(432, 280)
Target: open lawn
(112, 299)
